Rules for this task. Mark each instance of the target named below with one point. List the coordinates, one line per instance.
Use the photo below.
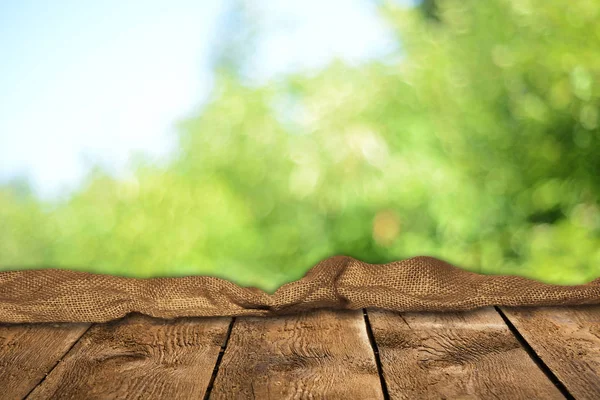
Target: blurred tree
(513, 91)
(480, 146)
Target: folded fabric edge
(411, 285)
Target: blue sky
(86, 81)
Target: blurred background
(250, 140)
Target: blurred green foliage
(479, 143)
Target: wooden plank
(567, 339)
(139, 358)
(318, 355)
(29, 351)
(455, 355)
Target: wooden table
(490, 353)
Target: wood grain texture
(466, 355)
(139, 358)
(29, 351)
(567, 339)
(318, 355)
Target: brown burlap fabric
(416, 284)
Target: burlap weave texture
(415, 284)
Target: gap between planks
(534, 356)
(373, 343)
(567, 339)
(58, 361)
(29, 352)
(219, 359)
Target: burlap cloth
(416, 284)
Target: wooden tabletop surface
(490, 353)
